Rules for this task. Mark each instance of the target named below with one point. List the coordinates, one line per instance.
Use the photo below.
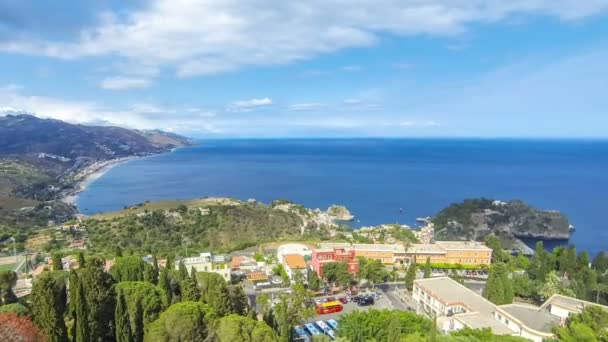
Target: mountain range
(40, 159)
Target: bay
(375, 178)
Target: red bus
(329, 307)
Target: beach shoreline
(90, 174)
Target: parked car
(366, 301)
(343, 300)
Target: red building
(321, 257)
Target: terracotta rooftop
(295, 261)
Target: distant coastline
(89, 174)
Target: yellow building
(445, 252)
(466, 252)
(385, 253)
(419, 252)
(451, 252)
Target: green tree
(498, 253)
(190, 291)
(238, 328)
(314, 282)
(164, 284)
(132, 268)
(552, 285)
(590, 325)
(8, 279)
(81, 318)
(337, 273)
(49, 305)
(183, 271)
(499, 287)
(117, 251)
(214, 292)
(394, 329)
(600, 262)
(521, 262)
(185, 321)
(144, 302)
(240, 302)
(290, 310)
(57, 263)
(523, 286)
(410, 276)
(427, 268)
(373, 271)
(372, 325)
(81, 261)
(123, 324)
(96, 295)
(541, 263)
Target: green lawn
(8, 267)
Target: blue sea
(379, 180)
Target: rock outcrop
(476, 218)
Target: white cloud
(412, 123)
(357, 104)
(141, 116)
(124, 83)
(302, 107)
(213, 36)
(249, 105)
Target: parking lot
(389, 299)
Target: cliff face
(476, 218)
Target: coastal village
(451, 293)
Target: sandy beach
(89, 174)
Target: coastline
(90, 174)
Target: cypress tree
(100, 301)
(427, 268)
(411, 275)
(240, 303)
(123, 324)
(219, 299)
(189, 286)
(155, 262)
(57, 264)
(81, 316)
(138, 334)
(164, 283)
(81, 262)
(183, 271)
(169, 262)
(499, 287)
(48, 306)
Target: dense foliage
(221, 228)
(373, 325)
(588, 326)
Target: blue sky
(436, 68)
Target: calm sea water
(375, 178)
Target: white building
(562, 306)
(295, 265)
(294, 248)
(206, 262)
(457, 307)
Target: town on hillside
(459, 286)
